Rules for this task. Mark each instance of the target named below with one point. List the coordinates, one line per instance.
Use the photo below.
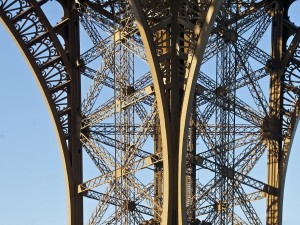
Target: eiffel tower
(175, 103)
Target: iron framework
(184, 112)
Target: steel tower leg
(174, 95)
(72, 46)
(274, 139)
(277, 151)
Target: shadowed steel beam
(274, 214)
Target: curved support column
(294, 118)
(174, 45)
(47, 58)
(287, 147)
(164, 116)
(188, 98)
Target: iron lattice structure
(172, 143)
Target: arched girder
(292, 112)
(53, 70)
(294, 116)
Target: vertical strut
(71, 36)
(275, 118)
(158, 171)
(191, 168)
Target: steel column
(72, 47)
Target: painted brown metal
(18, 16)
(174, 38)
(279, 147)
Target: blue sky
(32, 190)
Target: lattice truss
(231, 130)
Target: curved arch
(43, 52)
(293, 118)
(288, 144)
(287, 180)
